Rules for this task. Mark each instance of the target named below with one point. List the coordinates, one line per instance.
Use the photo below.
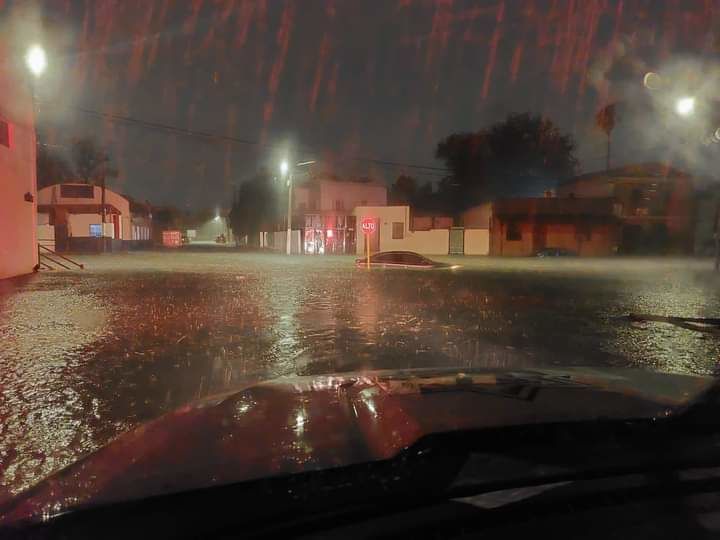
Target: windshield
(193, 194)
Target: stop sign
(368, 225)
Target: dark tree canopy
(502, 159)
(91, 162)
(255, 206)
(404, 190)
(52, 167)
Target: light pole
(286, 172)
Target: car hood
(297, 424)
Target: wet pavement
(87, 355)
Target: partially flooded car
(403, 259)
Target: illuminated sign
(368, 225)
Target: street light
(285, 171)
(685, 106)
(36, 60)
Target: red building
(655, 203)
(523, 227)
(18, 240)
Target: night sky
(341, 81)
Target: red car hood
(299, 424)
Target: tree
(255, 206)
(605, 119)
(52, 168)
(503, 159)
(404, 190)
(92, 163)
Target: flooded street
(87, 355)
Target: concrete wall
(46, 236)
(79, 224)
(477, 217)
(18, 217)
(432, 242)
(477, 241)
(602, 241)
(351, 194)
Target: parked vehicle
(402, 259)
(555, 252)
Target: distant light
(284, 167)
(329, 233)
(36, 60)
(217, 218)
(685, 106)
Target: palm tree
(605, 120)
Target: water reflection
(89, 355)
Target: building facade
(74, 210)
(18, 212)
(324, 211)
(393, 232)
(523, 227)
(654, 202)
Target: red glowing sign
(368, 225)
(171, 238)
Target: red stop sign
(368, 225)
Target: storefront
(329, 234)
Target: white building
(393, 232)
(323, 208)
(74, 211)
(18, 242)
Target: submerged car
(402, 259)
(420, 452)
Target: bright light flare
(36, 60)
(284, 167)
(685, 106)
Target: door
(116, 225)
(457, 241)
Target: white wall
(79, 224)
(46, 236)
(432, 242)
(351, 194)
(18, 217)
(279, 242)
(477, 241)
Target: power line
(426, 169)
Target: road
(89, 354)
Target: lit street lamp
(685, 106)
(36, 60)
(286, 172)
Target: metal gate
(457, 241)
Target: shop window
(96, 229)
(398, 230)
(513, 232)
(5, 133)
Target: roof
(639, 170)
(597, 207)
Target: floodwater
(87, 355)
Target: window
(96, 229)
(302, 206)
(398, 228)
(339, 205)
(4, 133)
(513, 232)
(75, 191)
